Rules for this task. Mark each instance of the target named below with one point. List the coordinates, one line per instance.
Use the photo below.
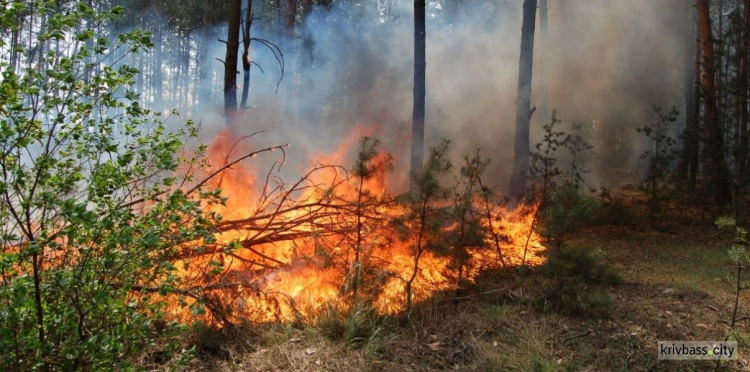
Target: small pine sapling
(659, 157)
(469, 232)
(368, 165)
(544, 159)
(474, 169)
(544, 170)
(577, 146)
(423, 216)
(740, 257)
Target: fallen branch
(588, 333)
(209, 177)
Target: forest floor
(676, 284)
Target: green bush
(574, 274)
(586, 265)
(614, 212)
(566, 211)
(90, 214)
(659, 157)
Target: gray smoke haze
(609, 61)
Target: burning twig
(327, 235)
(209, 177)
(237, 142)
(230, 164)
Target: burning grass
(499, 327)
(289, 251)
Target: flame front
(287, 251)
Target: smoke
(609, 62)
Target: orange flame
(293, 274)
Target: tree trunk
(689, 156)
(30, 46)
(158, 58)
(292, 50)
(543, 115)
(188, 95)
(420, 65)
(307, 41)
(521, 152)
(695, 146)
(15, 41)
(246, 54)
(719, 57)
(743, 86)
(716, 167)
(307, 62)
(230, 62)
(291, 16)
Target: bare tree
(291, 16)
(523, 103)
(744, 51)
(246, 61)
(688, 167)
(420, 65)
(716, 167)
(543, 116)
(230, 62)
(307, 41)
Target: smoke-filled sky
(609, 61)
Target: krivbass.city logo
(697, 350)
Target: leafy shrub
(89, 211)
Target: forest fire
(287, 251)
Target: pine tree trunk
(521, 151)
(291, 16)
(692, 70)
(743, 86)
(716, 166)
(543, 115)
(230, 62)
(723, 87)
(695, 134)
(292, 50)
(307, 41)
(420, 65)
(31, 38)
(189, 95)
(307, 63)
(158, 58)
(246, 62)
